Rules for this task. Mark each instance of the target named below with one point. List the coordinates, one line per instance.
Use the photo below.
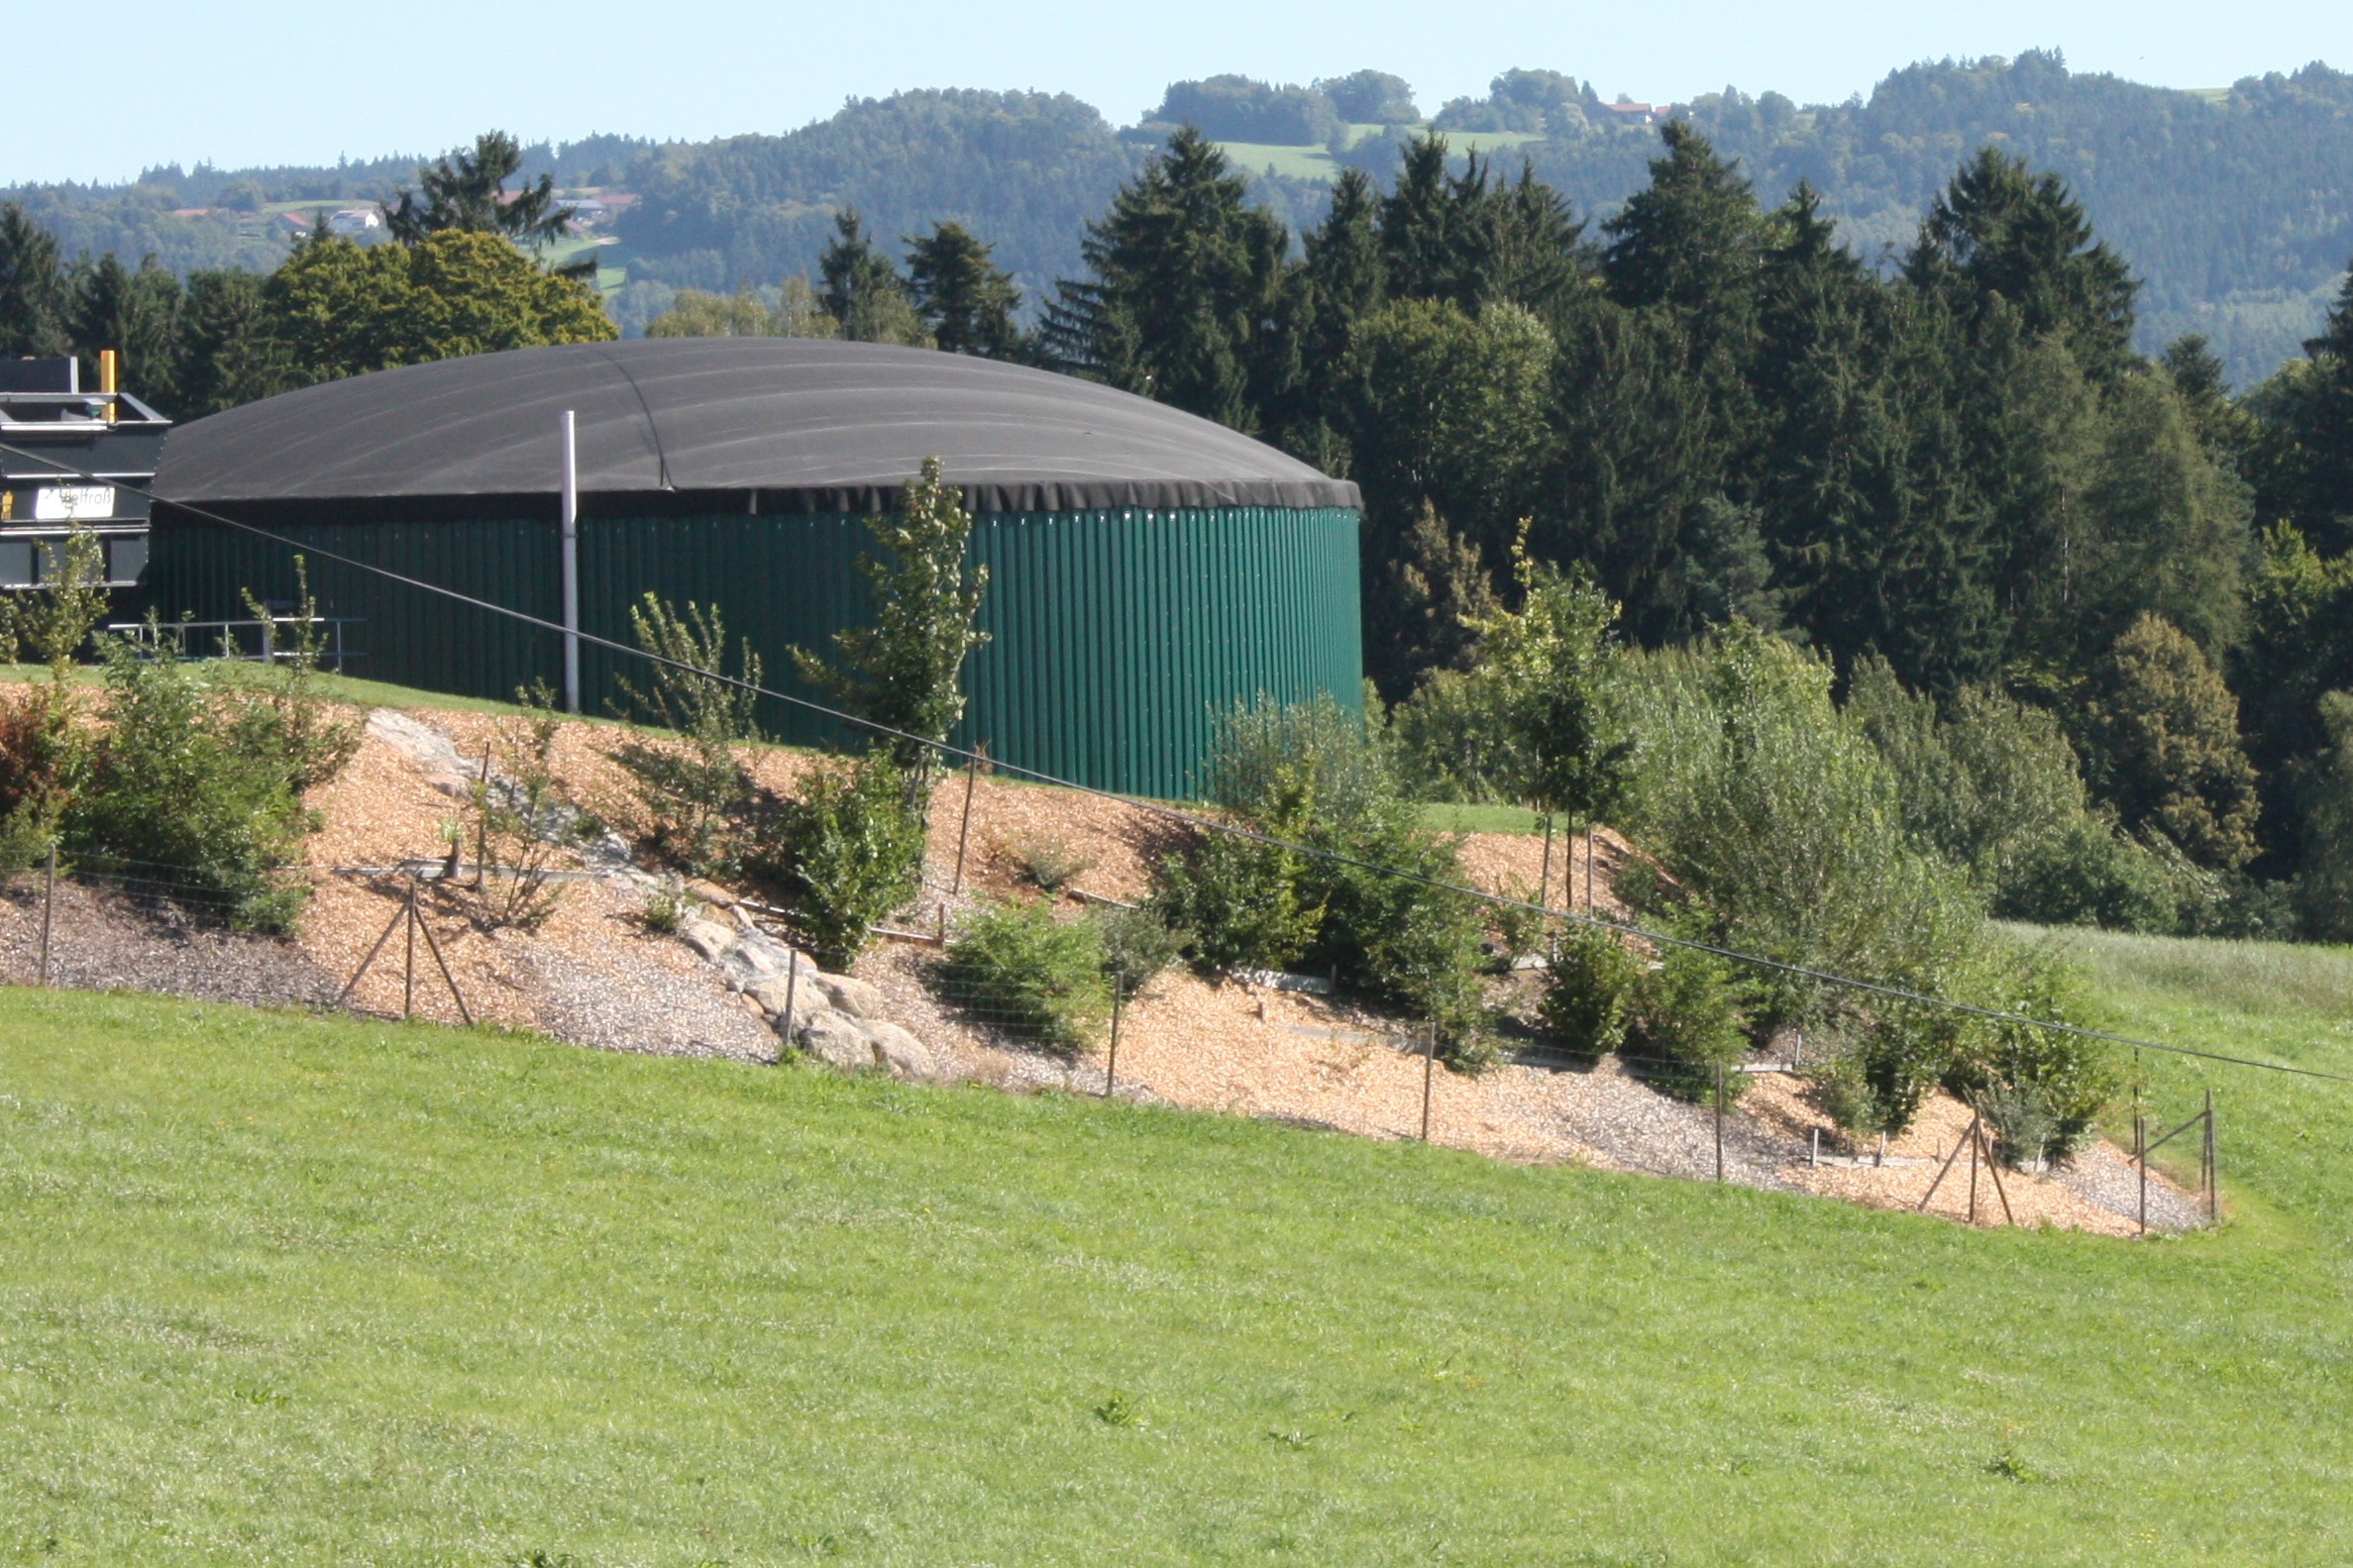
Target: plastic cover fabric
(777, 424)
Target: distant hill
(2235, 206)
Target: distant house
(1627, 112)
(290, 223)
(192, 212)
(354, 220)
(588, 212)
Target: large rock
(756, 955)
(900, 1052)
(709, 937)
(854, 997)
(836, 1041)
(772, 991)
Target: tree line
(452, 282)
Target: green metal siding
(1114, 636)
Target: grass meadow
(276, 1289)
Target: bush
(2069, 1078)
(1314, 776)
(523, 820)
(182, 787)
(43, 758)
(1136, 947)
(1591, 990)
(1690, 1022)
(846, 854)
(285, 714)
(1017, 966)
(1047, 863)
(695, 790)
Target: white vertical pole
(571, 570)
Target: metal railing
(230, 639)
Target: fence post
(482, 828)
(1972, 1170)
(49, 906)
(1428, 1074)
(2140, 1157)
(1110, 1071)
(1719, 1121)
(2213, 1178)
(972, 776)
(1543, 867)
(791, 997)
(408, 967)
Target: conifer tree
(1186, 281)
(862, 291)
(31, 289)
(965, 300)
(466, 190)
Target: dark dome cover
(791, 424)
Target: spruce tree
(134, 313)
(1186, 285)
(466, 190)
(963, 298)
(31, 289)
(863, 293)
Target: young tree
(467, 191)
(2161, 740)
(906, 671)
(2325, 891)
(863, 293)
(1548, 665)
(965, 300)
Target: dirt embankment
(595, 974)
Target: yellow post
(106, 381)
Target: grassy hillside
(279, 1289)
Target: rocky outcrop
(839, 1019)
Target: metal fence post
(48, 907)
(1719, 1121)
(2140, 1157)
(1110, 1071)
(2213, 1177)
(1428, 1074)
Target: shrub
(1017, 967)
(1136, 947)
(1313, 776)
(696, 793)
(846, 854)
(1690, 1021)
(284, 712)
(523, 819)
(2068, 1078)
(43, 758)
(1591, 990)
(178, 787)
(1047, 863)
(665, 911)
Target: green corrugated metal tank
(1148, 569)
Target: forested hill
(2236, 208)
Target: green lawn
(1316, 162)
(283, 1289)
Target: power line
(1189, 818)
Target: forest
(2229, 202)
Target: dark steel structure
(1146, 567)
(59, 433)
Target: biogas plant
(1148, 569)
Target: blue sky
(275, 82)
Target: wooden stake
(2140, 1157)
(1993, 1168)
(2213, 1176)
(463, 1012)
(353, 983)
(1544, 866)
(481, 827)
(972, 776)
(408, 968)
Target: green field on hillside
(275, 1288)
(1316, 162)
